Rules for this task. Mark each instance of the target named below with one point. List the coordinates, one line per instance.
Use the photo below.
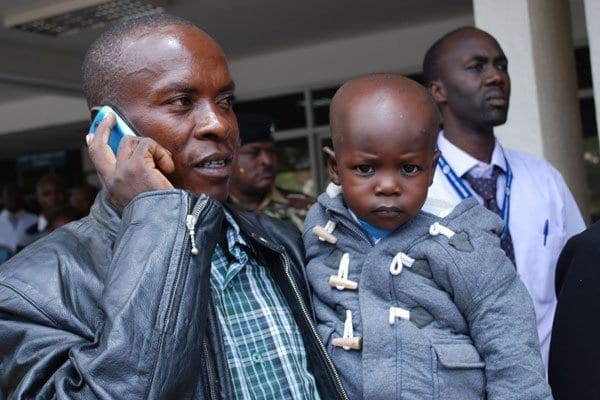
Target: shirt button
(256, 358)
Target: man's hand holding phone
(139, 166)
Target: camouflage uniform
(285, 205)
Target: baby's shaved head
(375, 88)
(384, 129)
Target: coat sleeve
(83, 318)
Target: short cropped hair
(431, 61)
(101, 72)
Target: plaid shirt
(264, 348)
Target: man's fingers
(153, 158)
(152, 153)
(164, 160)
(100, 153)
(127, 147)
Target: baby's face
(385, 158)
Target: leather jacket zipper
(190, 222)
(307, 316)
(210, 371)
(200, 205)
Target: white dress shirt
(9, 234)
(539, 197)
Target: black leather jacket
(118, 307)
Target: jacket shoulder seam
(30, 301)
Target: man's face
(474, 79)
(256, 168)
(178, 91)
(50, 195)
(82, 199)
(384, 157)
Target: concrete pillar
(592, 18)
(544, 114)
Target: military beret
(255, 128)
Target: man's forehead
(172, 58)
(161, 43)
(471, 42)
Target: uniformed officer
(253, 181)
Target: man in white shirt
(14, 220)
(466, 73)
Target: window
(591, 156)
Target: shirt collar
(376, 234)
(462, 162)
(17, 214)
(42, 223)
(234, 235)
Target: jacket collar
(250, 225)
(106, 215)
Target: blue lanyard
(463, 191)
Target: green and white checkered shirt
(264, 348)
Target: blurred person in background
(50, 193)
(14, 220)
(253, 181)
(61, 215)
(82, 197)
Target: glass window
(588, 117)
(320, 104)
(324, 141)
(582, 65)
(287, 111)
(591, 154)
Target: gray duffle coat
(437, 314)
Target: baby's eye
(410, 169)
(364, 169)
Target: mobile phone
(122, 127)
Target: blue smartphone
(121, 128)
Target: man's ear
(434, 161)
(438, 91)
(332, 167)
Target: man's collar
(461, 161)
(274, 195)
(233, 233)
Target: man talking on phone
(162, 292)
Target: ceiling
(246, 27)
(35, 66)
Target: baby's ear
(436, 157)
(332, 167)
